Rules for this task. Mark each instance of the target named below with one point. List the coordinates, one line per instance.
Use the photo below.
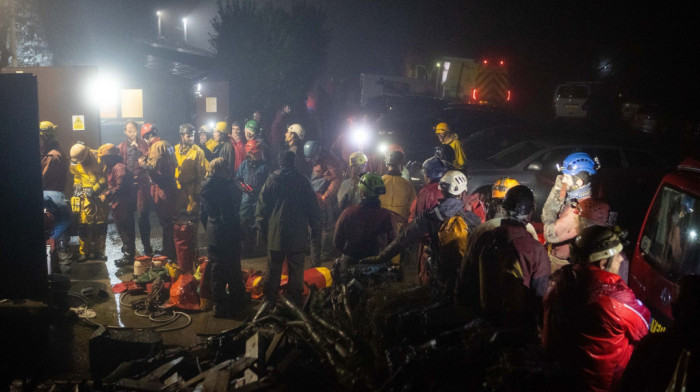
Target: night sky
(651, 45)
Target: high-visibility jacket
(399, 195)
(190, 171)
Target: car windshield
(670, 239)
(515, 154)
(572, 91)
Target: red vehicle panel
(668, 245)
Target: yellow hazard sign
(79, 123)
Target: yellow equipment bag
(452, 238)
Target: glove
(88, 192)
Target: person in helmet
(568, 208)
(225, 148)
(190, 171)
(131, 149)
(221, 199)
(238, 142)
(427, 198)
(120, 195)
(446, 253)
(399, 192)
(325, 180)
(294, 139)
(286, 210)
(54, 167)
(364, 229)
(88, 182)
(349, 193)
(505, 271)
(160, 165)
(446, 136)
(446, 154)
(251, 175)
(592, 320)
(206, 142)
(254, 132)
(498, 193)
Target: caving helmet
(147, 128)
(579, 162)
(222, 127)
(78, 153)
(296, 128)
(107, 149)
(442, 128)
(186, 128)
(595, 243)
(311, 149)
(252, 126)
(454, 182)
(434, 168)
(371, 185)
(357, 158)
(252, 147)
(519, 201)
(394, 158)
(47, 129)
(501, 187)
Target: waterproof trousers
(295, 285)
(164, 203)
(224, 269)
(92, 231)
(123, 214)
(143, 206)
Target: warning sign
(79, 123)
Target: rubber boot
(100, 241)
(85, 241)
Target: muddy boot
(100, 241)
(125, 261)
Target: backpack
(452, 244)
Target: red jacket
(130, 157)
(120, 188)
(426, 199)
(239, 148)
(592, 322)
(364, 230)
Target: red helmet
(147, 128)
(395, 147)
(252, 147)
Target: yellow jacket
(89, 174)
(460, 158)
(399, 195)
(211, 144)
(191, 167)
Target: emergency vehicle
(668, 246)
(485, 82)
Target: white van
(569, 98)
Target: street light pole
(158, 13)
(184, 24)
(437, 80)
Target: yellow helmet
(222, 127)
(78, 153)
(357, 158)
(442, 128)
(107, 149)
(501, 187)
(47, 129)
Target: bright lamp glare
(103, 90)
(360, 136)
(383, 148)
(211, 124)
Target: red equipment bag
(183, 293)
(186, 245)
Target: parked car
(648, 119)
(570, 98)
(623, 180)
(668, 246)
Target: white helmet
(454, 182)
(296, 128)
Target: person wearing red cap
(160, 165)
(251, 174)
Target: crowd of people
(290, 197)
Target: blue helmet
(579, 162)
(311, 148)
(433, 168)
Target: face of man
(290, 136)
(615, 263)
(249, 135)
(203, 138)
(187, 139)
(217, 136)
(444, 137)
(236, 133)
(256, 116)
(130, 132)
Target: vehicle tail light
(508, 96)
(474, 94)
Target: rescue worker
(592, 320)
(446, 136)
(325, 181)
(225, 147)
(131, 149)
(251, 175)
(88, 182)
(428, 197)
(238, 141)
(505, 270)
(399, 192)
(120, 195)
(363, 230)
(221, 200)
(160, 165)
(446, 258)
(56, 203)
(295, 143)
(191, 169)
(498, 192)
(54, 167)
(206, 143)
(349, 193)
(286, 209)
(570, 208)
(253, 131)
